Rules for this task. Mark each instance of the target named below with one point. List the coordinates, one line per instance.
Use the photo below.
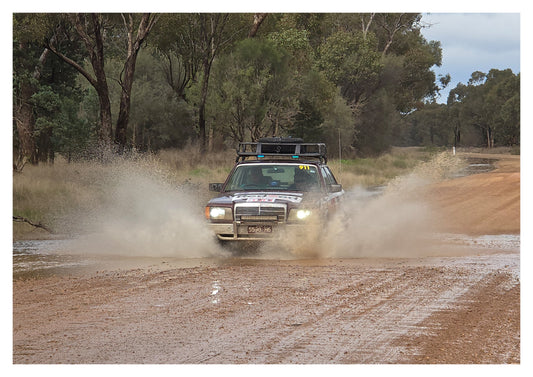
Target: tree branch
(258, 20)
(78, 67)
(21, 219)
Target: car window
(295, 177)
(328, 176)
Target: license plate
(259, 229)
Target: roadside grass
(47, 193)
(377, 171)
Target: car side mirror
(215, 187)
(335, 188)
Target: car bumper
(261, 231)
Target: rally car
(277, 185)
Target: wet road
(458, 301)
(271, 311)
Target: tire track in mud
(475, 329)
(354, 323)
(272, 312)
(358, 324)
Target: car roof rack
(281, 148)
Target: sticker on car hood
(267, 198)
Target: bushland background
(184, 89)
(362, 83)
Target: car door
(334, 191)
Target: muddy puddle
(44, 258)
(475, 166)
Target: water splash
(143, 212)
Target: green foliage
(296, 43)
(58, 127)
(503, 106)
(361, 81)
(50, 88)
(32, 27)
(374, 128)
(254, 92)
(428, 126)
(338, 125)
(159, 118)
(486, 112)
(351, 61)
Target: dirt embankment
(463, 309)
(487, 203)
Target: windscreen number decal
(270, 198)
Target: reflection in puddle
(216, 289)
(42, 258)
(475, 166)
(39, 259)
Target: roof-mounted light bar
(281, 148)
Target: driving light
(299, 214)
(218, 213)
(303, 214)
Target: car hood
(290, 198)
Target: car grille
(260, 212)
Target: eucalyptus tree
(45, 94)
(382, 64)
(190, 44)
(28, 59)
(94, 30)
(351, 62)
(177, 51)
(502, 106)
(489, 104)
(313, 93)
(158, 118)
(254, 92)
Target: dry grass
(45, 193)
(368, 172)
(190, 164)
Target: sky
(473, 42)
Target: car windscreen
(280, 177)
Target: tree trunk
(96, 53)
(203, 100)
(24, 121)
(490, 138)
(134, 45)
(94, 44)
(366, 25)
(24, 118)
(125, 102)
(106, 126)
(258, 20)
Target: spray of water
(142, 211)
(397, 221)
(400, 222)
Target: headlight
(303, 214)
(299, 214)
(218, 213)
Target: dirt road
(463, 308)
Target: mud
(457, 301)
